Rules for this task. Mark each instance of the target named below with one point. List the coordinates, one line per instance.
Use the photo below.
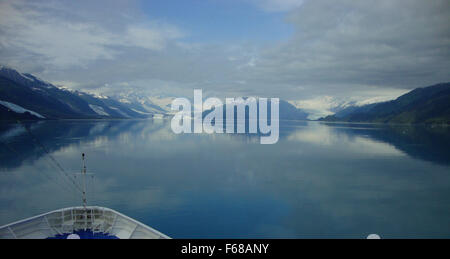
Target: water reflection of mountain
(429, 143)
(18, 146)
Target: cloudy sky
(291, 49)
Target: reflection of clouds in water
(124, 138)
(98, 128)
(39, 193)
(99, 141)
(363, 193)
(367, 145)
(32, 190)
(317, 135)
(110, 191)
(360, 196)
(39, 187)
(163, 134)
(12, 132)
(342, 181)
(321, 135)
(17, 129)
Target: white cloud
(152, 39)
(344, 46)
(339, 48)
(61, 42)
(322, 135)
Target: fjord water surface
(319, 180)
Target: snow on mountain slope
(99, 110)
(162, 102)
(18, 109)
(323, 106)
(60, 102)
(145, 103)
(141, 112)
(120, 112)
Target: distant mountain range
(287, 112)
(422, 105)
(24, 96)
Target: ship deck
(90, 222)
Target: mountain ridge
(422, 105)
(32, 95)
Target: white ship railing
(66, 221)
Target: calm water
(320, 180)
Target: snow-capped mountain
(31, 96)
(162, 105)
(144, 103)
(23, 79)
(25, 96)
(422, 105)
(323, 106)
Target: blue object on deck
(88, 234)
